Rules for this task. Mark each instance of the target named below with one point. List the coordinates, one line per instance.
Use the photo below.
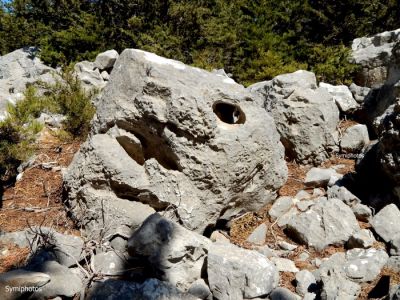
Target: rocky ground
(191, 186)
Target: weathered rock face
(17, 69)
(374, 55)
(306, 116)
(174, 138)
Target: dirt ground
(36, 199)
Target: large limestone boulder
(177, 139)
(306, 116)
(18, 69)
(374, 55)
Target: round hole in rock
(229, 113)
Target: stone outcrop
(374, 55)
(17, 70)
(173, 138)
(306, 116)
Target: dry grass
(14, 257)
(37, 198)
(296, 176)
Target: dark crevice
(229, 113)
(152, 144)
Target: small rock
(302, 195)
(386, 222)
(305, 282)
(361, 239)
(217, 236)
(354, 139)
(110, 263)
(281, 293)
(105, 75)
(303, 256)
(284, 264)
(318, 193)
(119, 244)
(362, 212)
(325, 223)
(286, 246)
(267, 251)
(318, 177)
(236, 273)
(258, 236)
(200, 289)
(281, 206)
(304, 205)
(342, 97)
(106, 59)
(364, 265)
(394, 293)
(343, 194)
(393, 263)
(395, 245)
(309, 296)
(359, 92)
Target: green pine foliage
(253, 40)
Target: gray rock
(359, 92)
(386, 222)
(305, 282)
(66, 249)
(199, 134)
(393, 263)
(304, 205)
(175, 252)
(63, 281)
(258, 236)
(287, 246)
(53, 120)
(267, 251)
(281, 207)
(342, 193)
(89, 75)
(362, 212)
(395, 245)
(105, 76)
(342, 97)
(219, 237)
(235, 273)
(151, 289)
(317, 177)
(302, 195)
(110, 263)
(327, 222)
(11, 281)
(303, 256)
(354, 139)
(106, 60)
(281, 293)
(284, 264)
(361, 239)
(119, 244)
(374, 54)
(335, 283)
(200, 289)
(394, 293)
(363, 265)
(17, 70)
(306, 116)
